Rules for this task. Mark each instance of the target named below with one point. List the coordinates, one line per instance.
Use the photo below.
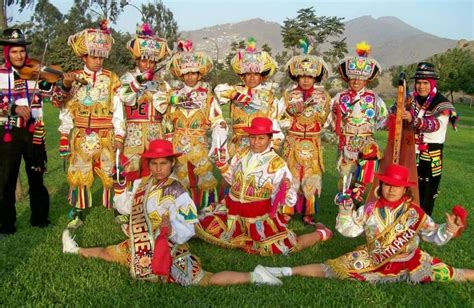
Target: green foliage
(49, 25)
(315, 28)
(35, 272)
(455, 69)
(162, 20)
(267, 48)
(4, 4)
(106, 9)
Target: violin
(50, 74)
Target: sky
(444, 18)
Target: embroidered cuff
(118, 138)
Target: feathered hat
(93, 42)
(307, 65)
(145, 45)
(249, 60)
(189, 61)
(360, 66)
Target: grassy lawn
(35, 272)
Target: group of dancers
(156, 150)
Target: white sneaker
(279, 271)
(261, 276)
(69, 245)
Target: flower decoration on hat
(186, 60)
(93, 42)
(146, 45)
(361, 66)
(249, 60)
(307, 65)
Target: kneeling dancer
(250, 218)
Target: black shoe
(45, 224)
(7, 230)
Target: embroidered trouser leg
(430, 165)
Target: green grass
(34, 272)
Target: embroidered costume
(308, 111)
(432, 115)
(92, 120)
(248, 103)
(250, 218)
(193, 112)
(147, 203)
(141, 93)
(355, 116)
(393, 231)
(21, 138)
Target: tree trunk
(3, 15)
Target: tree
(3, 9)
(454, 67)
(161, 19)
(234, 48)
(106, 9)
(318, 30)
(451, 68)
(267, 48)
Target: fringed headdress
(93, 42)
(249, 60)
(307, 65)
(361, 66)
(189, 61)
(145, 45)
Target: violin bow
(41, 65)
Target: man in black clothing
(21, 134)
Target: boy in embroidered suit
(307, 104)
(141, 90)
(194, 112)
(92, 123)
(393, 226)
(250, 218)
(252, 99)
(355, 115)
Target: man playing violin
(92, 121)
(21, 134)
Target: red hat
(260, 126)
(160, 148)
(395, 175)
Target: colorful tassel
(186, 46)
(363, 49)
(460, 212)
(7, 137)
(280, 196)
(104, 25)
(251, 44)
(161, 262)
(145, 29)
(304, 45)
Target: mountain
(393, 41)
